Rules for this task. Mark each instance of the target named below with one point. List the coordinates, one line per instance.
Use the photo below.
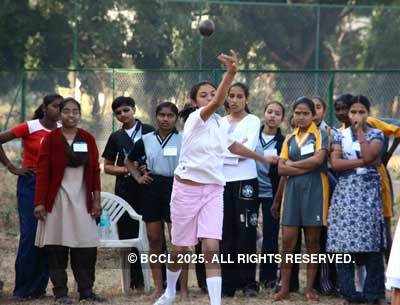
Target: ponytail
(47, 100)
(186, 111)
(39, 113)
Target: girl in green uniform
(303, 161)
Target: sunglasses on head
(125, 110)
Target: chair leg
(146, 271)
(125, 271)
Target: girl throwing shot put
(197, 194)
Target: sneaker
(64, 301)
(165, 300)
(92, 298)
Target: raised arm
(230, 63)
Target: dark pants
(239, 234)
(325, 280)
(128, 228)
(83, 264)
(269, 271)
(374, 288)
(389, 239)
(31, 269)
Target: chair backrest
(115, 207)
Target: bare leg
(154, 234)
(184, 273)
(213, 270)
(312, 236)
(289, 240)
(396, 296)
(211, 247)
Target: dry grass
(108, 284)
(108, 280)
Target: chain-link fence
(21, 93)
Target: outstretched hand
(229, 61)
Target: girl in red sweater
(67, 201)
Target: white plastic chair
(115, 207)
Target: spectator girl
(239, 233)
(31, 271)
(355, 223)
(305, 204)
(67, 202)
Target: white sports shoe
(165, 300)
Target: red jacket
(51, 165)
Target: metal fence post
(113, 97)
(75, 37)
(331, 89)
(23, 97)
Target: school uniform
(31, 266)
(240, 206)
(68, 174)
(118, 147)
(306, 197)
(161, 158)
(197, 210)
(268, 180)
(324, 126)
(356, 223)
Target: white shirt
(245, 132)
(203, 145)
(131, 131)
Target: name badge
(80, 147)
(307, 149)
(170, 151)
(361, 170)
(231, 160)
(271, 152)
(356, 146)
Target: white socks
(172, 278)
(214, 289)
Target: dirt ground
(108, 280)
(108, 284)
